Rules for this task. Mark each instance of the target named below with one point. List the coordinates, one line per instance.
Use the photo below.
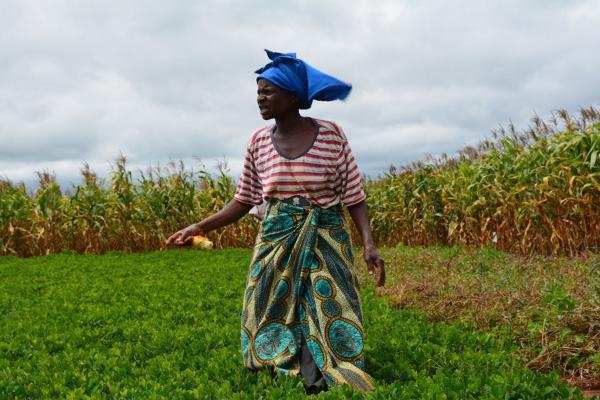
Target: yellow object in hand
(202, 242)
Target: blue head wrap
(299, 78)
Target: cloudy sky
(159, 81)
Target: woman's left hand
(375, 262)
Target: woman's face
(274, 101)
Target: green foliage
(560, 301)
(548, 306)
(166, 325)
(121, 214)
(536, 192)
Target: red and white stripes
(326, 174)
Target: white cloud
(173, 80)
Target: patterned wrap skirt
(302, 284)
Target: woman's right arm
(233, 211)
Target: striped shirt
(326, 174)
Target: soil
(589, 386)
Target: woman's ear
(296, 101)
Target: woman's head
(301, 79)
(274, 101)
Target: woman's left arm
(360, 216)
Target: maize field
(530, 192)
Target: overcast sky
(170, 80)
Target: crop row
(119, 214)
(534, 192)
(531, 192)
(166, 325)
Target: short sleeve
(351, 187)
(249, 188)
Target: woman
(301, 311)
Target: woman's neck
(289, 122)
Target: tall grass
(530, 192)
(117, 214)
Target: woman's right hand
(185, 236)
(233, 211)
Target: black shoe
(313, 379)
(316, 387)
(272, 372)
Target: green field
(165, 324)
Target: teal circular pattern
(285, 259)
(282, 289)
(249, 292)
(299, 329)
(317, 351)
(263, 251)
(276, 227)
(272, 340)
(360, 364)
(329, 219)
(245, 339)
(257, 269)
(340, 236)
(306, 258)
(323, 288)
(345, 338)
(315, 265)
(347, 252)
(331, 308)
(276, 310)
(290, 241)
(310, 261)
